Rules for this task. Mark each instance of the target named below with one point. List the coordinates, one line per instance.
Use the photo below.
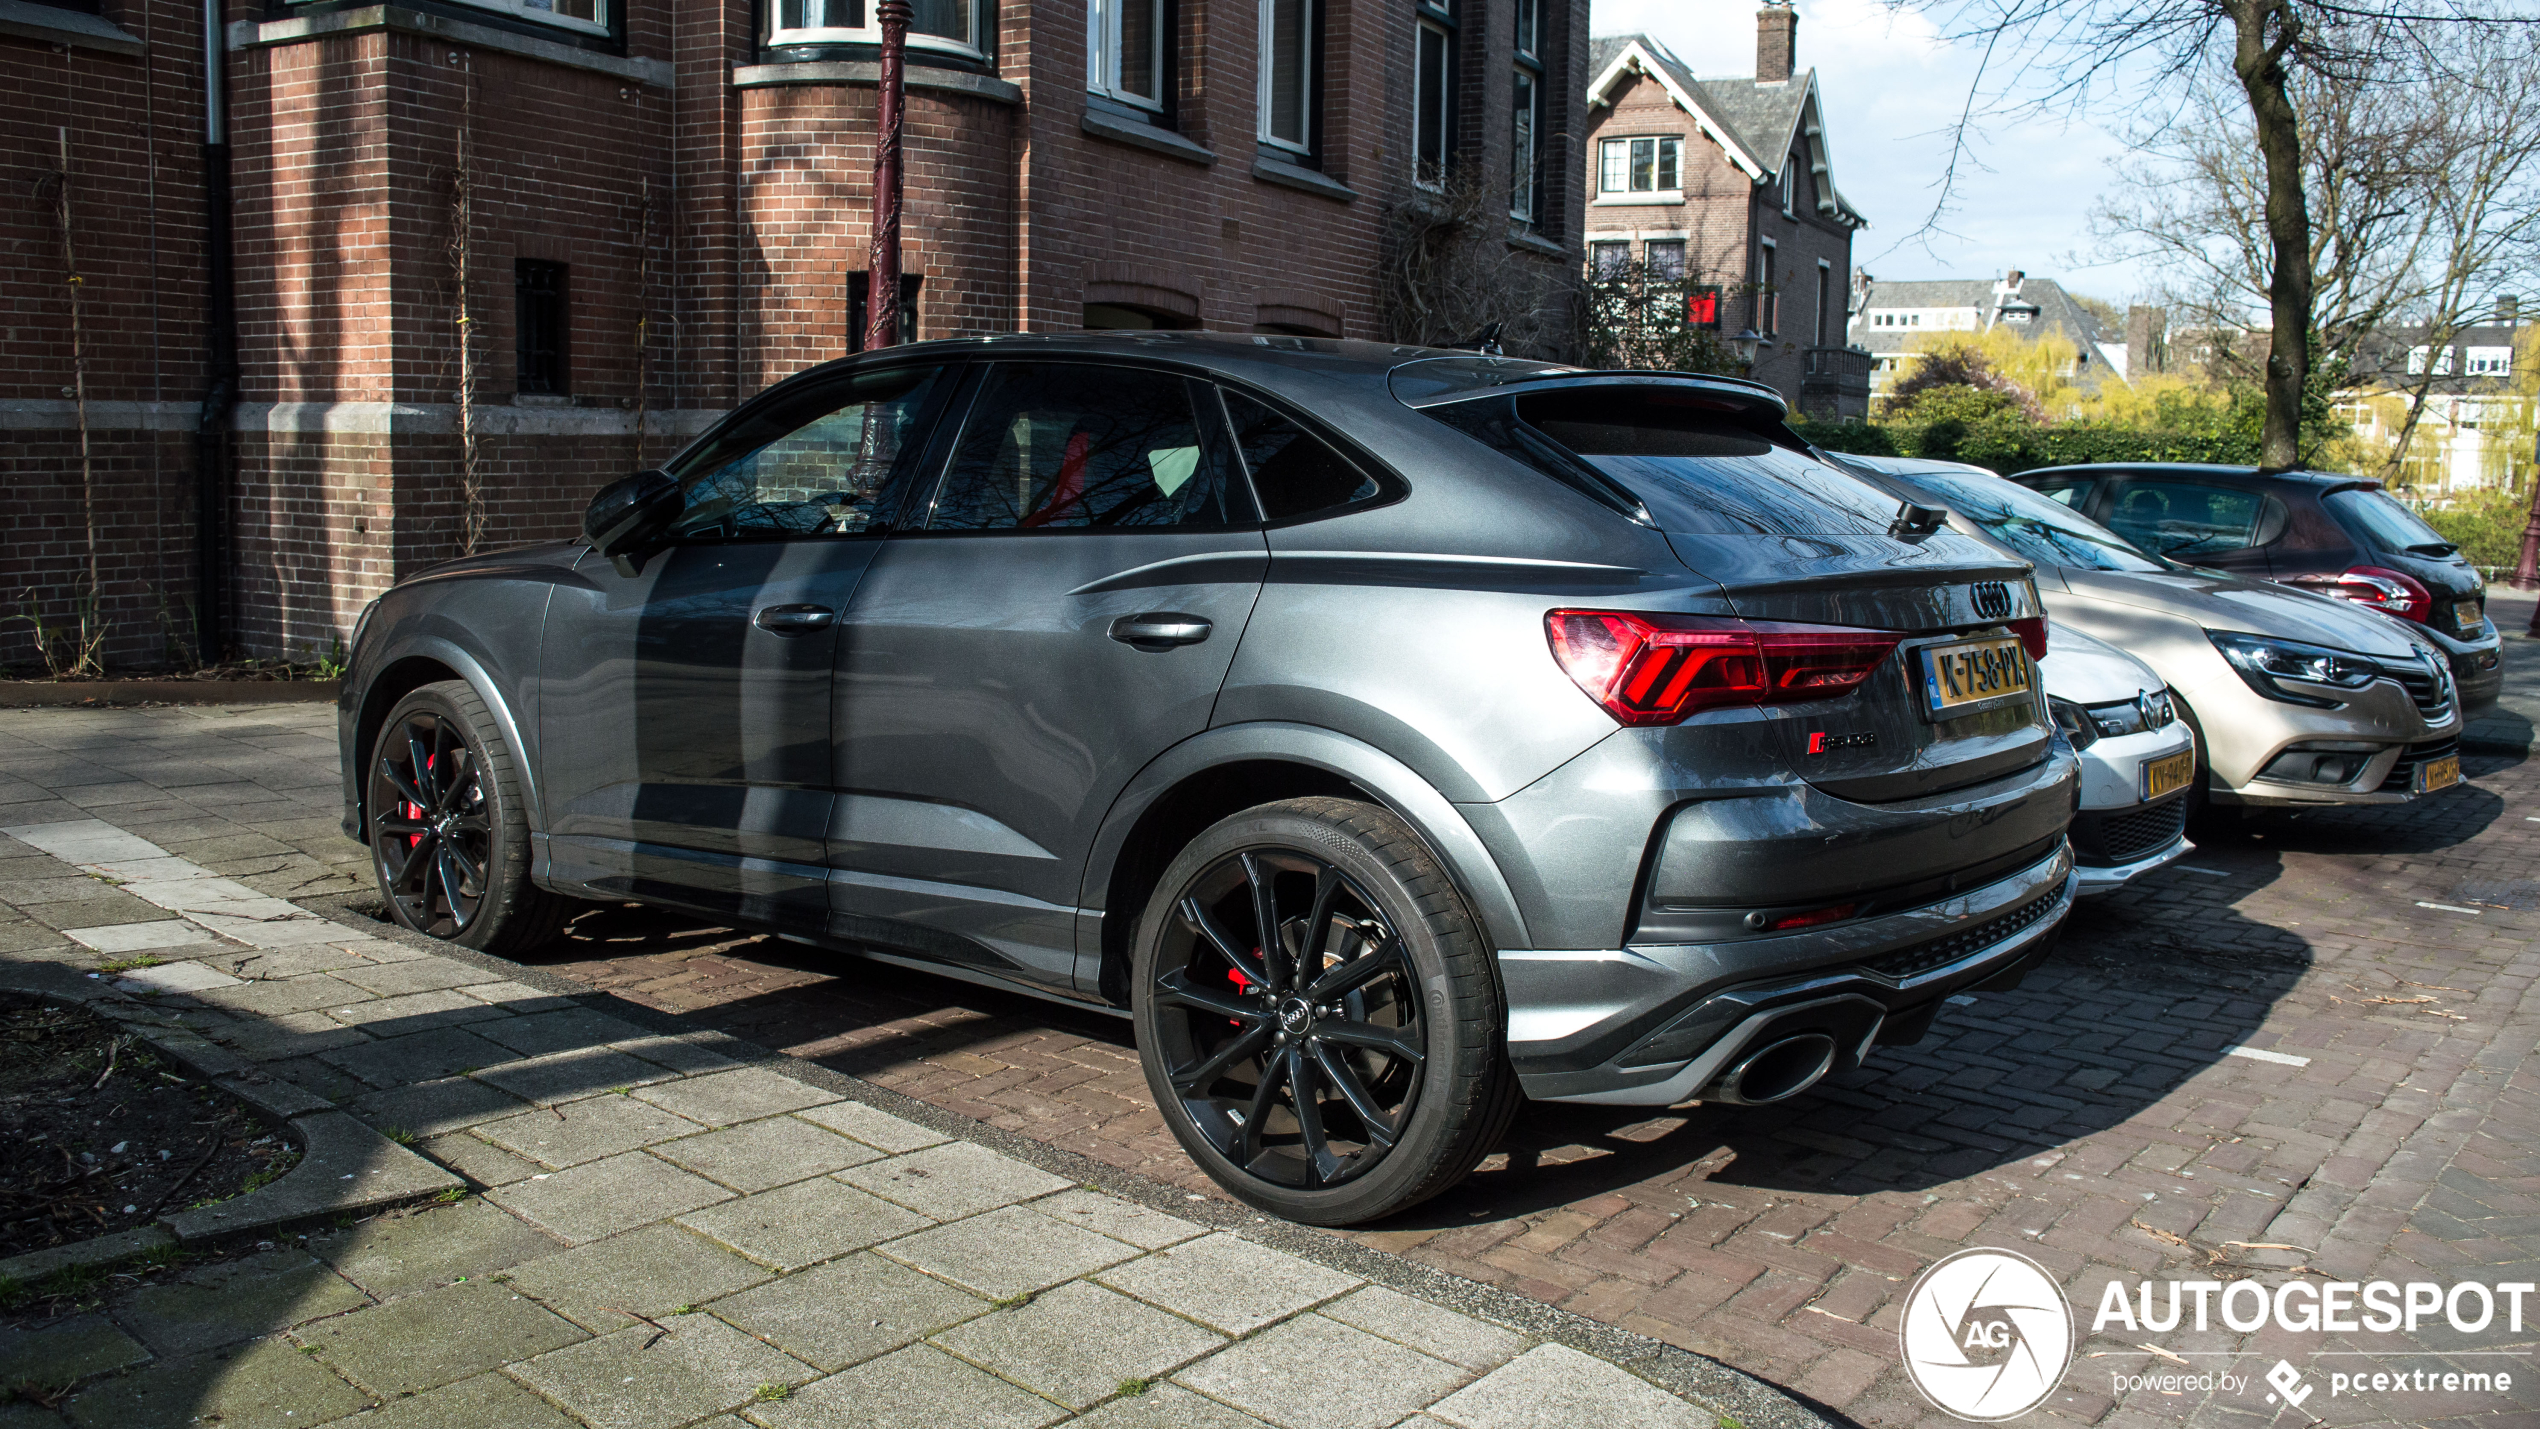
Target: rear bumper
(1655, 1025)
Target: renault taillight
(1656, 669)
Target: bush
(2000, 441)
(2486, 525)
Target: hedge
(2010, 445)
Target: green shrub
(2001, 441)
(2486, 525)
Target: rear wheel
(448, 839)
(1317, 1015)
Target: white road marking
(2446, 908)
(2254, 1055)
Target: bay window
(943, 26)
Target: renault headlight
(2265, 662)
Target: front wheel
(1317, 1015)
(448, 839)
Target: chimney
(2147, 340)
(2509, 310)
(1776, 37)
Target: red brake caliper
(1242, 984)
(414, 812)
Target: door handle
(1157, 631)
(793, 619)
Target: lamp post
(882, 280)
(1744, 345)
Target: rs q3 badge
(1821, 742)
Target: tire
(450, 846)
(1402, 1053)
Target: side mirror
(628, 514)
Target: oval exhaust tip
(1779, 1070)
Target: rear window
(1695, 469)
(2391, 526)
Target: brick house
(1727, 180)
(657, 210)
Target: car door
(686, 722)
(2226, 527)
(1065, 610)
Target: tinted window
(2186, 519)
(2032, 526)
(2072, 492)
(2391, 526)
(1294, 472)
(827, 463)
(1700, 474)
(1064, 446)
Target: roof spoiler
(1435, 381)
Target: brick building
(606, 221)
(1727, 181)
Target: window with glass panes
(1525, 115)
(1287, 74)
(1640, 166)
(1125, 47)
(945, 26)
(1433, 94)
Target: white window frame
(1790, 201)
(1525, 143)
(1421, 100)
(1304, 142)
(546, 15)
(2487, 362)
(2442, 361)
(1610, 169)
(1529, 29)
(1104, 21)
(1825, 299)
(868, 33)
(1768, 299)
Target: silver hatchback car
(1390, 732)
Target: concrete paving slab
(437, 1107)
(1430, 1329)
(414, 1012)
(568, 1076)
(873, 1126)
(92, 909)
(417, 1057)
(235, 1300)
(1556, 1387)
(679, 1054)
(174, 977)
(65, 1352)
(1169, 1406)
(265, 1385)
(344, 1167)
(481, 1164)
(116, 938)
(644, 1378)
(489, 1401)
(437, 1337)
(601, 1198)
(653, 1271)
(954, 1180)
(520, 998)
(804, 1223)
(267, 1037)
(77, 840)
(416, 975)
(544, 1033)
(570, 1133)
(920, 1387)
(1118, 1219)
(1285, 1375)
(849, 1310)
(303, 992)
(1077, 1343)
(756, 1155)
(1008, 1252)
(403, 1253)
(741, 1094)
(1229, 1283)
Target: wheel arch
(1226, 770)
(429, 660)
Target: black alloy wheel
(1317, 1015)
(1298, 1054)
(447, 838)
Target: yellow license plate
(2169, 774)
(2440, 773)
(1973, 674)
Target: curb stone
(1725, 1391)
(334, 1147)
(100, 694)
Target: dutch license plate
(2169, 774)
(2440, 773)
(2467, 614)
(1973, 674)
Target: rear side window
(2187, 519)
(2071, 491)
(1695, 469)
(1294, 472)
(1062, 446)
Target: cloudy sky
(1891, 85)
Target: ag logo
(1987, 1334)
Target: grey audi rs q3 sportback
(1388, 731)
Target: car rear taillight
(1657, 669)
(2032, 635)
(2388, 591)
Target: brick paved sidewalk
(671, 1236)
(2097, 1119)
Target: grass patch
(1012, 1301)
(399, 1135)
(1132, 1388)
(683, 1309)
(770, 1393)
(125, 965)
